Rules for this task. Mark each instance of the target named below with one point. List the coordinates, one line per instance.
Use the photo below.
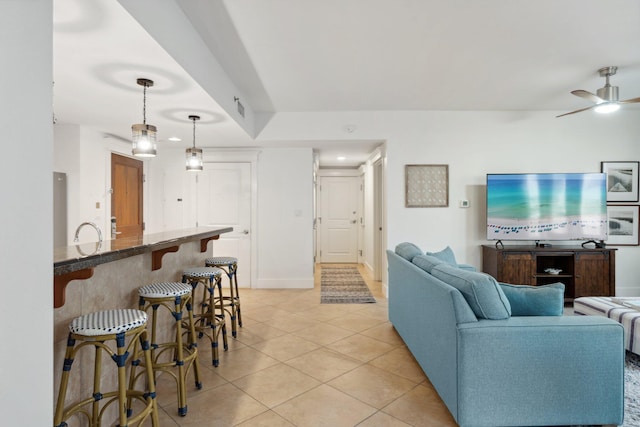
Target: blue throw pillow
(481, 291)
(545, 300)
(445, 255)
(408, 250)
(426, 262)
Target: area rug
(343, 285)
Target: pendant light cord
(194, 132)
(144, 104)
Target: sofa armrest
(541, 371)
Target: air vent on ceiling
(240, 106)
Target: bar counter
(77, 262)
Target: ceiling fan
(606, 100)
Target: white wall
(474, 144)
(26, 185)
(285, 218)
(168, 182)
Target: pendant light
(144, 135)
(194, 155)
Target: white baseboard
(306, 283)
(368, 267)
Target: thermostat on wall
(464, 203)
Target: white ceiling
(336, 55)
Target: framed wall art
(623, 225)
(622, 181)
(426, 186)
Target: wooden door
(126, 197)
(339, 199)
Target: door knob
(353, 222)
(245, 232)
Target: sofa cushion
(445, 255)
(426, 262)
(482, 292)
(545, 300)
(408, 250)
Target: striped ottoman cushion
(622, 310)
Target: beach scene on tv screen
(546, 207)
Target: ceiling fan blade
(587, 95)
(577, 111)
(630, 101)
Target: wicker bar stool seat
(231, 302)
(209, 318)
(95, 330)
(173, 354)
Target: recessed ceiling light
(341, 158)
(174, 139)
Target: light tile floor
(297, 362)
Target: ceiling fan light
(607, 107)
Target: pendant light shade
(144, 135)
(194, 155)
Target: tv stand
(584, 271)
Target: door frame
(378, 166)
(251, 157)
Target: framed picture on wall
(426, 186)
(622, 181)
(623, 225)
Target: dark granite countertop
(80, 256)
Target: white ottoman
(623, 310)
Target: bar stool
(94, 330)
(169, 355)
(232, 302)
(207, 321)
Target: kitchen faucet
(75, 239)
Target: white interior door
(224, 200)
(339, 201)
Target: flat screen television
(547, 206)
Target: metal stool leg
(175, 298)
(231, 303)
(94, 331)
(208, 322)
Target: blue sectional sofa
(492, 368)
